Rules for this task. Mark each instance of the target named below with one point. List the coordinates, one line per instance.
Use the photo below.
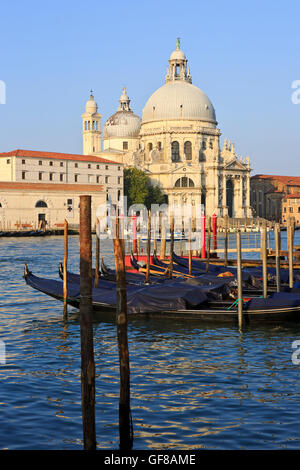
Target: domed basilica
(176, 142)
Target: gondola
(109, 275)
(179, 300)
(252, 275)
(157, 270)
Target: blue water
(193, 386)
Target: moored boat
(178, 299)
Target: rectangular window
(50, 163)
(90, 178)
(89, 165)
(76, 178)
(119, 179)
(50, 176)
(97, 167)
(76, 165)
(119, 168)
(106, 167)
(106, 179)
(40, 162)
(98, 179)
(61, 177)
(8, 161)
(61, 163)
(291, 209)
(69, 202)
(125, 145)
(23, 162)
(284, 209)
(40, 176)
(23, 175)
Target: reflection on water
(193, 386)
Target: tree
(139, 190)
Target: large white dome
(179, 100)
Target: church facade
(177, 143)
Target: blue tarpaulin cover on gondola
(276, 300)
(173, 295)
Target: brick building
(267, 194)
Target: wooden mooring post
(208, 243)
(239, 279)
(86, 326)
(190, 249)
(277, 254)
(162, 237)
(97, 254)
(290, 247)
(148, 248)
(225, 240)
(171, 247)
(125, 426)
(264, 259)
(65, 269)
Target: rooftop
(292, 196)
(290, 180)
(56, 155)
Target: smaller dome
(91, 105)
(122, 124)
(177, 55)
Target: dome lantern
(177, 69)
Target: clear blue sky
(243, 55)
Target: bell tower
(91, 127)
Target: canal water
(193, 386)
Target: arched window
(188, 150)
(150, 146)
(41, 204)
(184, 182)
(175, 151)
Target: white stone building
(36, 186)
(177, 143)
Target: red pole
(203, 254)
(214, 224)
(134, 233)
